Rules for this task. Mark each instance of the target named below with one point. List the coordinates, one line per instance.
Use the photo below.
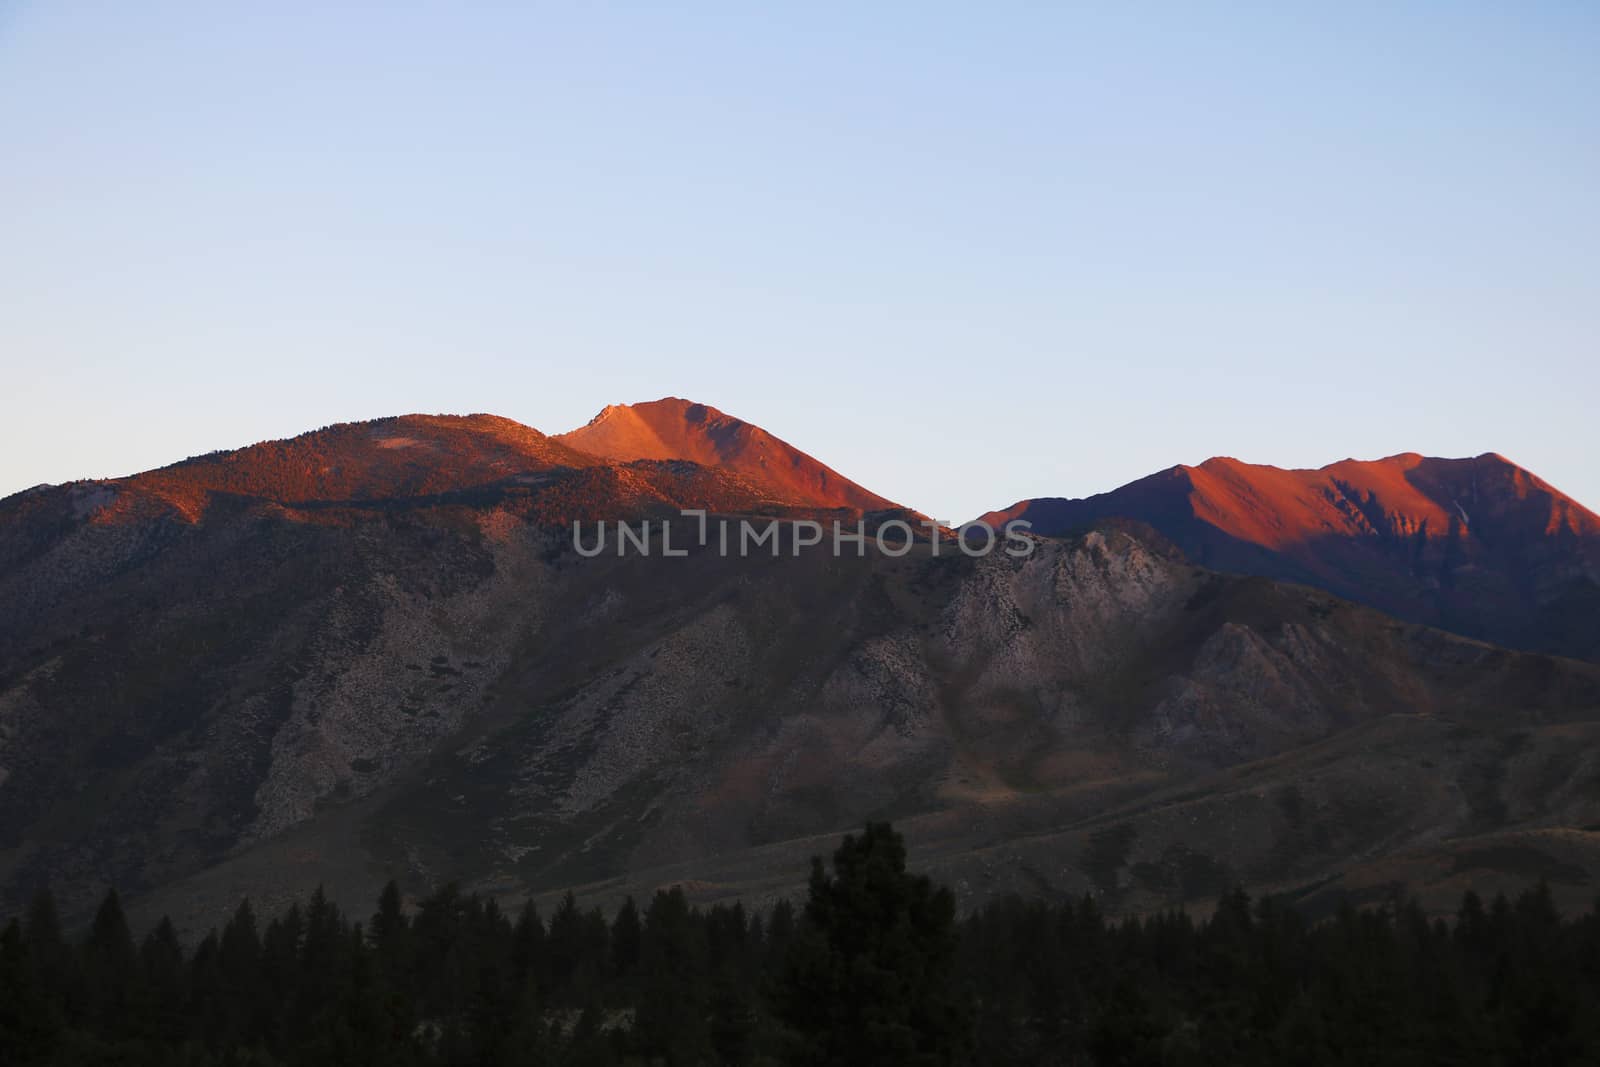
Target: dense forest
(875, 968)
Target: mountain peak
(673, 428)
(666, 405)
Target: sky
(965, 254)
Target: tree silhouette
(874, 968)
(870, 976)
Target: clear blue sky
(965, 253)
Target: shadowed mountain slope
(1479, 546)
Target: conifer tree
(626, 934)
(870, 978)
(110, 971)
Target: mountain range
(1478, 546)
(372, 651)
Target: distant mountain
(680, 429)
(1479, 546)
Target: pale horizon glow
(963, 255)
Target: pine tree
(242, 1006)
(564, 953)
(626, 933)
(52, 968)
(28, 1027)
(161, 965)
(528, 945)
(670, 1020)
(110, 969)
(393, 955)
(870, 976)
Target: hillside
(373, 652)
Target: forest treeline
(875, 967)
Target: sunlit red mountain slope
(1478, 545)
(712, 462)
(680, 429)
(386, 459)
